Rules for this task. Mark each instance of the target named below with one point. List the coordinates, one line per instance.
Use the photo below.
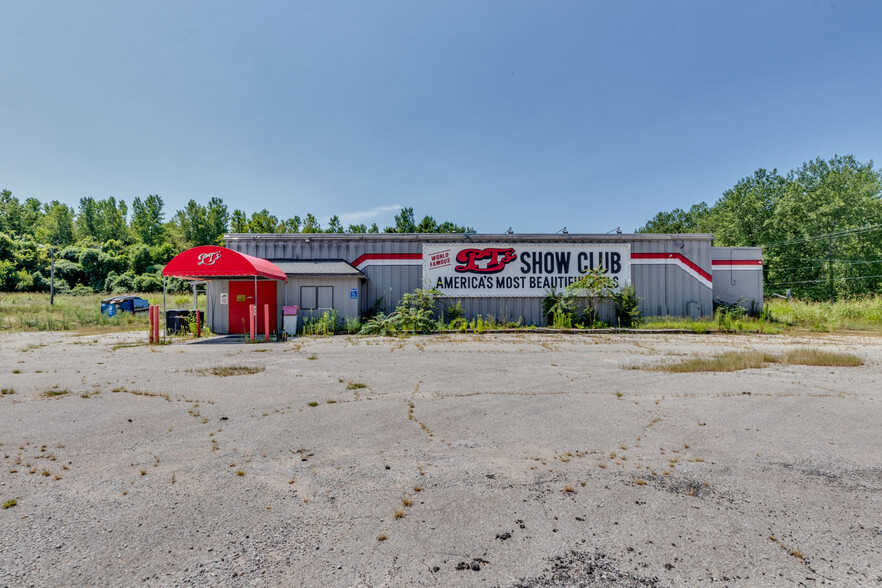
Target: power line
(823, 281)
(815, 259)
(826, 236)
(842, 262)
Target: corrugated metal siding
(668, 289)
(665, 289)
(730, 286)
(289, 294)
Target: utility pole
(830, 269)
(52, 276)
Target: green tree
(19, 219)
(263, 222)
(744, 215)
(203, 225)
(139, 258)
(357, 229)
(311, 224)
(427, 225)
(820, 224)
(56, 226)
(291, 225)
(7, 247)
(147, 217)
(404, 222)
(449, 227)
(113, 220)
(88, 223)
(239, 222)
(698, 219)
(334, 225)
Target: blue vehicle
(114, 304)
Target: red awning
(212, 261)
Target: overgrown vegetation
(859, 314)
(323, 325)
(745, 360)
(20, 311)
(104, 246)
(578, 305)
(819, 225)
(416, 313)
(231, 370)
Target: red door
(242, 296)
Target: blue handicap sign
(353, 293)
(111, 310)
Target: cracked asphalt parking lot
(487, 460)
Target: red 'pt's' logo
(208, 258)
(496, 260)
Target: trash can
(289, 320)
(177, 321)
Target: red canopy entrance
(212, 261)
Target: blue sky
(531, 115)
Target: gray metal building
(501, 275)
(738, 275)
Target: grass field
(864, 314)
(32, 312)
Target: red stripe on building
(384, 256)
(679, 257)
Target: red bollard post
(150, 323)
(156, 324)
(252, 310)
(198, 324)
(266, 322)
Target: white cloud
(356, 218)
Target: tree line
(820, 226)
(105, 246)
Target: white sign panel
(522, 269)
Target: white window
(316, 297)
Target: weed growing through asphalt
(240, 472)
(745, 360)
(55, 391)
(313, 403)
(569, 488)
(807, 356)
(230, 370)
(726, 362)
(313, 356)
(143, 471)
(355, 385)
(10, 503)
(399, 513)
(7, 391)
(381, 537)
(407, 501)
